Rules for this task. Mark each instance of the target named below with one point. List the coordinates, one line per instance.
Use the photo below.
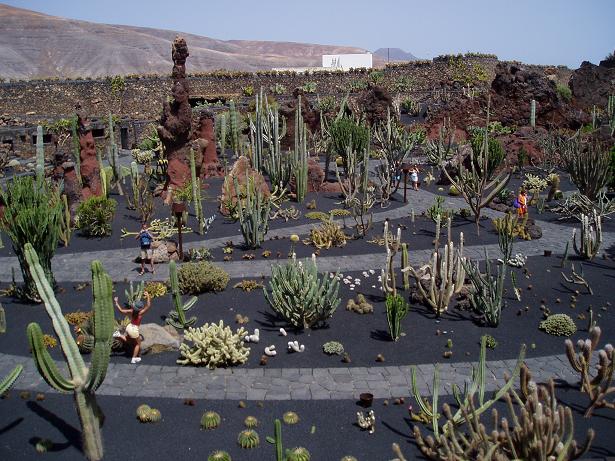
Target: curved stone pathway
(293, 383)
(267, 383)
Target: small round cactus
(297, 454)
(210, 420)
(219, 455)
(250, 422)
(248, 439)
(290, 417)
(349, 458)
(143, 413)
(43, 445)
(154, 415)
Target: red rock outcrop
(243, 172)
(64, 170)
(89, 167)
(206, 156)
(591, 85)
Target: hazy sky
(533, 31)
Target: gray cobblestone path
(287, 383)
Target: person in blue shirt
(146, 238)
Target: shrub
(564, 92)
(495, 151)
(95, 216)
(32, 213)
(346, 132)
(300, 296)
(558, 325)
(213, 345)
(201, 277)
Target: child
(521, 204)
(414, 177)
(146, 238)
(133, 335)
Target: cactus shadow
(72, 435)
(10, 426)
(381, 335)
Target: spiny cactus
(443, 276)
(300, 155)
(219, 455)
(533, 113)
(598, 386)
(298, 454)
(253, 214)
(147, 414)
(250, 422)
(396, 310)
(177, 318)
(290, 418)
(248, 439)
(40, 154)
(113, 159)
(591, 236)
(210, 420)
(213, 345)
(429, 410)
(392, 246)
(83, 381)
(277, 440)
(196, 193)
(235, 129)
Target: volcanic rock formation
(89, 167)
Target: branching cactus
(177, 318)
(392, 246)
(443, 276)
(253, 214)
(83, 381)
(591, 236)
(600, 385)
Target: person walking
(521, 204)
(146, 238)
(414, 177)
(132, 335)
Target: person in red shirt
(133, 336)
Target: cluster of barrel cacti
(147, 414)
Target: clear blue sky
(533, 31)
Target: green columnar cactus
(222, 134)
(300, 157)
(76, 147)
(610, 110)
(196, 192)
(112, 158)
(392, 245)
(32, 213)
(404, 262)
(396, 310)
(2, 320)
(40, 154)
(235, 139)
(134, 180)
(66, 229)
(533, 113)
(253, 214)
(177, 318)
(277, 440)
(83, 381)
(591, 236)
(486, 297)
(7, 382)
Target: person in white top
(414, 177)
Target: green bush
(346, 132)
(564, 92)
(95, 216)
(495, 151)
(201, 277)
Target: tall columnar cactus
(300, 155)
(83, 381)
(610, 110)
(533, 113)
(66, 229)
(76, 147)
(235, 139)
(591, 236)
(597, 387)
(253, 214)
(113, 159)
(134, 181)
(7, 382)
(196, 193)
(392, 246)
(486, 297)
(40, 154)
(443, 276)
(404, 262)
(221, 120)
(177, 318)
(430, 409)
(277, 440)
(396, 310)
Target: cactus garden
(372, 272)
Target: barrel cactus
(248, 439)
(210, 420)
(219, 455)
(297, 454)
(290, 417)
(250, 422)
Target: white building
(347, 61)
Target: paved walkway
(293, 383)
(266, 383)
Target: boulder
(591, 85)
(204, 146)
(375, 103)
(89, 167)
(157, 338)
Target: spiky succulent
(348, 458)
(290, 417)
(143, 412)
(210, 420)
(154, 415)
(333, 348)
(490, 342)
(248, 439)
(558, 325)
(250, 422)
(219, 455)
(297, 454)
